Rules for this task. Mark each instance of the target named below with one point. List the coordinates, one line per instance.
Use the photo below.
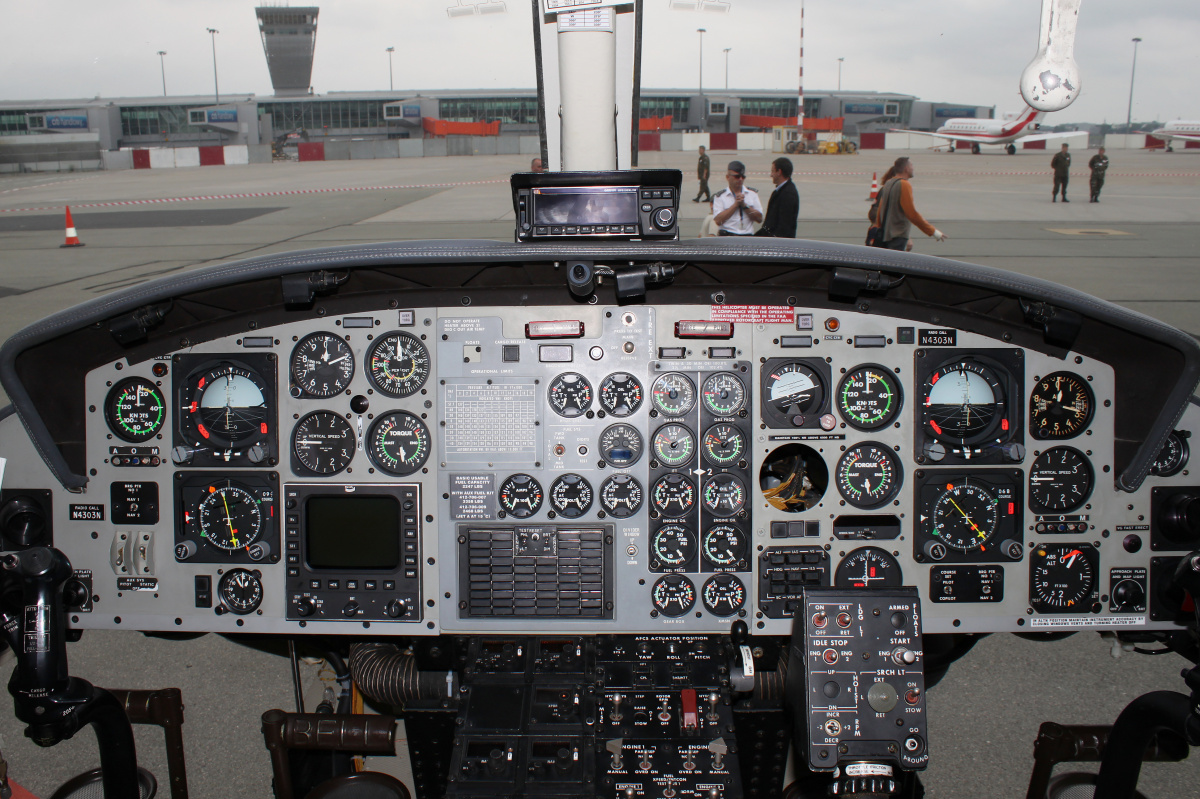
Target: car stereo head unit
(642, 204)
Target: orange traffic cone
(874, 187)
(72, 236)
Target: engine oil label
(753, 314)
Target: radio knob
(350, 610)
(1128, 595)
(664, 218)
(305, 606)
(395, 609)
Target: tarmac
(1138, 247)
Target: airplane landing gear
(975, 148)
(1011, 149)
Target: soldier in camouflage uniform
(1098, 165)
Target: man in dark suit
(784, 205)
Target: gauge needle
(964, 515)
(335, 360)
(229, 520)
(1074, 553)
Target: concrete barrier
(531, 145)
(311, 151)
(385, 148)
(690, 142)
(259, 153)
(211, 156)
(434, 147)
(236, 154)
(410, 148)
(117, 159)
(673, 142)
(162, 158)
(754, 140)
(187, 156)
(336, 150)
(359, 150)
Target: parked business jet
(978, 132)
(1183, 130)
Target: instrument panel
(649, 468)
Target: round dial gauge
(621, 394)
(868, 475)
(673, 394)
(724, 444)
(240, 590)
(1062, 578)
(227, 405)
(723, 595)
(674, 445)
(398, 364)
(963, 403)
(724, 394)
(673, 595)
(794, 389)
(723, 495)
(1173, 456)
(322, 365)
(621, 445)
(869, 397)
(1060, 480)
(1060, 406)
(673, 545)
(229, 516)
(673, 494)
(323, 442)
(398, 443)
(521, 496)
(621, 495)
(571, 496)
(965, 515)
(135, 409)
(868, 567)
(570, 395)
(724, 545)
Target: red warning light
(1012, 508)
(1003, 424)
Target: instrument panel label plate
(87, 513)
(938, 337)
(754, 314)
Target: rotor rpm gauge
(723, 444)
(1062, 578)
(869, 397)
(965, 515)
(1060, 481)
(571, 496)
(621, 394)
(229, 517)
(723, 594)
(724, 394)
(723, 495)
(521, 496)
(673, 595)
(673, 394)
(674, 445)
(135, 409)
(868, 567)
(963, 402)
(570, 395)
(398, 364)
(322, 365)
(240, 591)
(621, 445)
(869, 475)
(792, 391)
(724, 545)
(621, 495)
(323, 442)
(1060, 406)
(398, 443)
(673, 494)
(673, 546)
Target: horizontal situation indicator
(703, 328)
(562, 328)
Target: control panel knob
(305, 606)
(185, 550)
(75, 594)
(23, 522)
(903, 657)
(935, 550)
(496, 761)
(350, 610)
(1012, 549)
(182, 455)
(1180, 517)
(664, 218)
(395, 609)
(1129, 595)
(257, 453)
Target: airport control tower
(289, 37)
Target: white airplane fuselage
(1178, 130)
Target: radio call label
(87, 513)
(966, 584)
(938, 337)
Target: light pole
(163, 65)
(391, 84)
(727, 49)
(840, 60)
(1132, 72)
(703, 108)
(216, 86)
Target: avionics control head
(609, 206)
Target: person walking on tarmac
(702, 172)
(897, 214)
(1061, 163)
(1098, 165)
(736, 209)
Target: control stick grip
(38, 636)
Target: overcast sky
(957, 51)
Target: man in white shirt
(738, 208)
